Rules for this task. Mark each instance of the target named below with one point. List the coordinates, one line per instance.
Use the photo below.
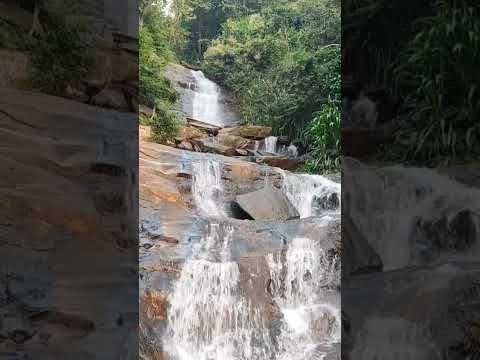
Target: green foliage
(164, 123)
(153, 85)
(324, 134)
(63, 54)
(158, 44)
(437, 72)
(283, 63)
(13, 38)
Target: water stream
(212, 315)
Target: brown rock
(191, 132)
(211, 129)
(163, 238)
(252, 132)
(208, 145)
(234, 141)
(185, 145)
(282, 162)
(145, 132)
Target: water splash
(271, 144)
(207, 188)
(209, 319)
(387, 205)
(300, 283)
(292, 151)
(311, 194)
(206, 100)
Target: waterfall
(311, 194)
(168, 8)
(207, 187)
(209, 319)
(310, 320)
(206, 100)
(271, 144)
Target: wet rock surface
(172, 208)
(58, 152)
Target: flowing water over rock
(243, 290)
(311, 194)
(411, 215)
(209, 318)
(207, 187)
(271, 144)
(301, 287)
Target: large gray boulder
(267, 204)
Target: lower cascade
(212, 317)
(301, 283)
(209, 318)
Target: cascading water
(311, 194)
(388, 204)
(209, 319)
(207, 187)
(207, 105)
(300, 287)
(271, 144)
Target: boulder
(357, 254)
(237, 142)
(185, 145)
(267, 204)
(114, 66)
(252, 132)
(282, 162)
(207, 145)
(191, 132)
(111, 98)
(211, 129)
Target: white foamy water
(209, 319)
(207, 187)
(388, 203)
(310, 318)
(310, 194)
(207, 105)
(271, 144)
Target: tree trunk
(35, 23)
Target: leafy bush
(324, 136)
(64, 53)
(164, 124)
(11, 37)
(438, 73)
